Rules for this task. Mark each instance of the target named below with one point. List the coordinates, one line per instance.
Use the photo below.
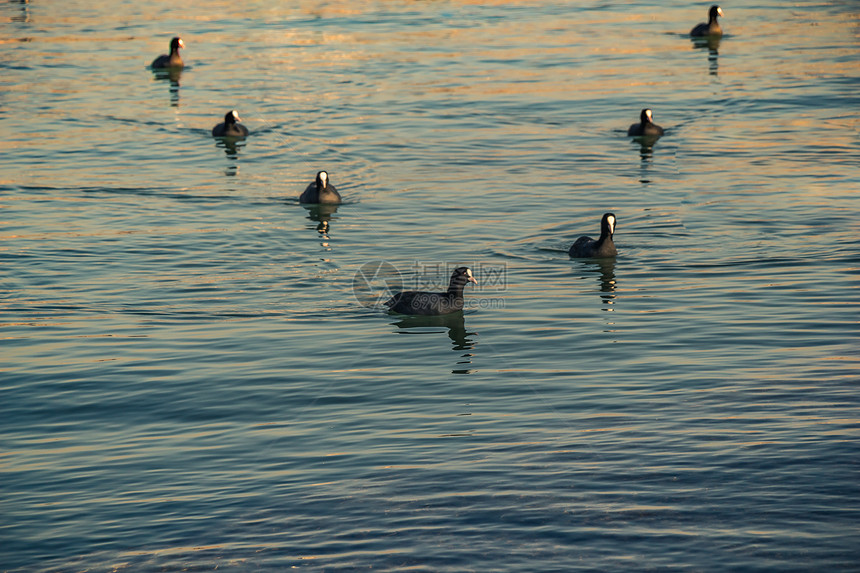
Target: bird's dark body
(320, 191)
(172, 60)
(230, 127)
(433, 303)
(712, 27)
(646, 127)
(588, 248)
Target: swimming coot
(646, 126)
(712, 28)
(320, 191)
(433, 303)
(231, 126)
(586, 247)
(173, 60)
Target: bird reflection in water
(646, 148)
(645, 145)
(231, 146)
(25, 12)
(608, 284)
(322, 214)
(461, 340)
(171, 75)
(712, 44)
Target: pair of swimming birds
(437, 303)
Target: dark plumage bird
(231, 126)
(320, 191)
(645, 126)
(432, 303)
(712, 28)
(586, 247)
(172, 60)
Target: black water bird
(586, 247)
(646, 126)
(712, 28)
(320, 191)
(230, 127)
(172, 60)
(433, 303)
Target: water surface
(193, 378)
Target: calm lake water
(196, 370)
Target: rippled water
(196, 374)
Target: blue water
(196, 370)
